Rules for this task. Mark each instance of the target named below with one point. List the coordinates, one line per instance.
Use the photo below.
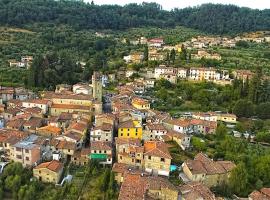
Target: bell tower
(97, 86)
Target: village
(48, 131)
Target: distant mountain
(211, 18)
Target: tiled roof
(104, 127)
(101, 145)
(37, 101)
(63, 144)
(69, 106)
(34, 122)
(196, 190)
(16, 124)
(157, 148)
(52, 95)
(130, 141)
(51, 130)
(53, 165)
(129, 124)
(136, 187)
(77, 126)
(204, 165)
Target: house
(103, 132)
(156, 42)
(227, 118)
(82, 88)
(27, 151)
(129, 73)
(182, 73)
(204, 54)
(157, 158)
(171, 77)
(154, 55)
(140, 103)
(81, 157)
(137, 187)
(40, 103)
(178, 125)
(11, 112)
(209, 116)
(209, 172)
(130, 152)
(6, 93)
(162, 69)
(155, 130)
(243, 74)
(262, 194)
(102, 151)
(33, 124)
(49, 172)
(130, 129)
(183, 140)
(107, 118)
(200, 74)
(196, 191)
(63, 145)
(203, 126)
(15, 124)
(49, 131)
(134, 58)
(79, 127)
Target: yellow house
(227, 118)
(130, 129)
(157, 158)
(140, 103)
(49, 172)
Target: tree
(243, 108)
(263, 110)
(145, 53)
(198, 143)
(172, 55)
(239, 179)
(221, 131)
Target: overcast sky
(169, 4)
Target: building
(262, 194)
(81, 157)
(130, 152)
(162, 69)
(156, 42)
(182, 73)
(227, 118)
(82, 88)
(200, 74)
(196, 191)
(102, 151)
(137, 187)
(134, 58)
(171, 77)
(130, 129)
(27, 151)
(203, 169)
(204, 54)
(140, 103)
(97, 86)
(49, 172)
(155, 131)
(104, 132)
(183, 140)
(157, 158)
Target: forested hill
(219, 19)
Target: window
(120, 157)
(18, 149)
(162, 159)
(128, 134)
(27, 158)
(99, 151)
(149, 157)
(121, 134)
(128, 129)
(26, 150)
(105, 151)
(95, 151)
(39, 171)
(18, 156)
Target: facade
(40, 103)
(157, 159)
(101, 151)
(103, 132)
(130, 129)
(49, 172)
(140, 103)
(209, 172)
(97, 86)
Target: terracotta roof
(50, 129)
(104, 127)
(69, 106)
(53, 165)
(136, 187)
(101, 145)
(157, 148)
(204, 165)
(65, 116)
(119, 167)
(152, 126)
(16, 124)
(11, 136)
(37, 101)
(33, 110)
(63, 144)
(52, 95)
(139, 101)
(34, 122)
(130, 141)
(13, 111)
(77, 126)
(73, 135)
(129, 124)
(196, 190)
(179, 122)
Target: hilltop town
(133, 102)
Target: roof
(152, 126)
(37, 101)
(13, 111)
(129, 124)
(33, 110)
(136, 187)
(34, 122)
(196, 190)
(28, 142)
(179, 122)
(73, 135)
(53, 165)
(11, 136)
(101, 145)
(50, 129)
(69, 106)
(202, 164)
(139, 101)
(63, 144)
(77, 126)
(157, 148)
(104, 127)
(129, 141)
(52, 95)
(16, 124)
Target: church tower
(97, 86)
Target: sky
(169, 4)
